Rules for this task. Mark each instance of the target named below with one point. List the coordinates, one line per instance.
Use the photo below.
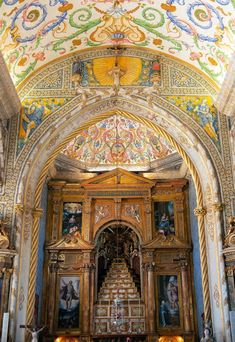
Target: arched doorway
(118, 284)
(117, 242)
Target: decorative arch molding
(115, 222)
(34, 172)
(162, 111)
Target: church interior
(117, 168)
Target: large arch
(194, 153)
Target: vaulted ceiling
(35, 33)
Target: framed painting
(164, 217)
(168, 301)
(72, 218)
(69, 303)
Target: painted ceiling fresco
(33, 113)
(33, 33)
(118, 141)
(202, 110)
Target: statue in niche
(116, 73)
(4, 240)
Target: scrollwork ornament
(4, 240)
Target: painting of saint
(168, 301)
(164, 217)
(69, 302)
(72, 218)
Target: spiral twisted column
(200, 212)
(37, 213)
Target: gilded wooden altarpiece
(115, 199)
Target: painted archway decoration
(39, 167)
(187, 91)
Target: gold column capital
(19, 208)
(218, 206)
(199, 211)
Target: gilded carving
(102, 212)
(4, 240)
(229, 240)
(199, 211)
(133, 211)
(218, 206)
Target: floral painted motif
(37, 32)
(118, 141)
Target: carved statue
(76, 78)
(229, 240)
(4, 241)
(34, 333)
(116, 73)
(207, 334)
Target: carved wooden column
(185, 294)
(86, 299)
(148, 214)
(86, 219)
(149, 267)
(6, 261)
(53, 269)
(92, 297)
(56, 219)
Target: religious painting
(72, 218)
(168, 301)
(164, 217)
(69, 302)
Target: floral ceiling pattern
(33, 33)
(118, 142)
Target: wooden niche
(157, 213)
